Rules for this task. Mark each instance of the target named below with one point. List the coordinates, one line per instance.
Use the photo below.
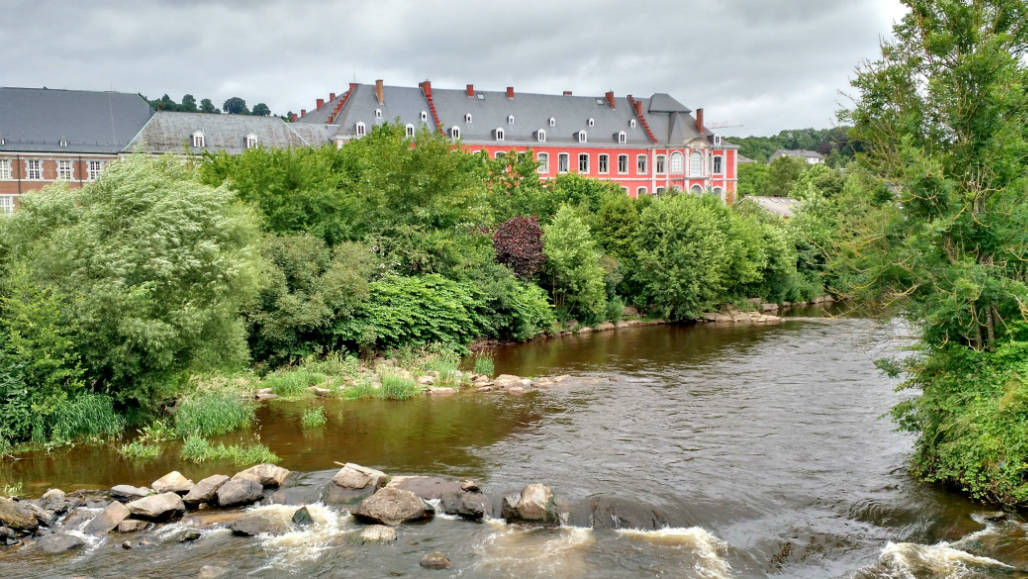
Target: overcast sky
(765, 65)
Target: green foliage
(512, 309)
(782, 174)
(212, 413)
(396, 387)
(484, 365)
(836, 144)
(616, 225)
(752, 179)
(141, 451)
(313, 418)
(197, 449)
(361, 389)
(87, 416)
(293, 382)
(573, 267)
(12, 490)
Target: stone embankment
(60, 523)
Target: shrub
(137, 450)
(293, 381)
(513, 309)
(519, 246)
(573, 267)
(396, 387)
(197, 449)
(484, 365)
(212, 414)
(313, 418)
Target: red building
(646, 145)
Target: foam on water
(303, 543)
(940, 560)
(515, 550)
(708, 549)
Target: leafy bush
(519, 246)
(573, 267)
(197, 449)
(396, 387)
(313, 418)
(212, 414)
(484, 365)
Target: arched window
(540, 135)
(510, 119)
(592, 122)
(622, 137)
(499, 134)
(251, 141)
(581, 136)
(631, 123)
(553, 122)
(641, 191)
(424, 116)
(696, 164)
(409, 131)
(378, 113)
(696, 189)
(467, 118)
(544, 162)
(360, 129)
(677, 163)
(717, 140)
(198, 140)
(455, 132)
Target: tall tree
(188, 103)
(206, 106)
(261, 110)
(235, 106)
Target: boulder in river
(162, 507)
(378, 534)
(435, 560)
(17, 516)
(132, 526)
(511, 381)
(253, 525)
(54, 500)
(205, 490)
(109, 518)
(302, 517)
(468, 505)
(535, 504)
(173, 482)
(59, 543)
(393, 506)
(426, 487)
(129, 493)
(356, 477)
(267, 475)
(239, 492)
(45, 517)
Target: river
(676, 451)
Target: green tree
(235, 106)
(261, 110)
(188, 103)
(206, 106)
(752, 179)
(573, 267)
(782, 173)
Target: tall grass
(138, 450)
(484, 365)
(197, 449)
(212, 413)
(362, 389)
(313, 418)
(87, 416)
(293, 381)
(395, 387)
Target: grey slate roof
(669, 120)
(798, 153)
(171, 132)
(780, 206)
(37, 119)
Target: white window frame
(553, 122)
(63, 143)
(467, 118)
(33, 167)
(540, 135)
(660, 164)
(500, 134)
(424, 116)
(603, 164)
(717, 140)
(197, 140)
(677, 164)
(5, 170)
(563, 162)
(591, 122)
(659, 191)
(583, 157)
(251, 141)
(632, 123)
(642, 164)
(641, 191)
(454, 132)
(499, 155)
(95, 168)
(582, 137)
(622, 164)
(697, 189)
(408, 130)
(7, 204)
(65, 170)
(622, 137)
(378, 114)
(696, 164)
(510, 119)
(719, 165)
(360, 129)
(543, 159)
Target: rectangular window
(544, 162)
(604, 163)
(583, 163)
(5, 170)
(33, 169)
(660, 164)
(660, 190)
(622, 163)
(65, 172)
(640, 191)
(718, 164)
(640, 164)
(563, 162)
(95, 168)
(6, 204)
(499, 155)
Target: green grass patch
(213, 413)
(11, 490)
(484, 365)
(197, 449)
(138, 450)
(313, 418)
(293, 382)
(395, 387)
(362, 389)
(89, 416)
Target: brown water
(696, 452)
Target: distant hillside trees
(835, 144)
(234, 105)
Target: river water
(675, 451)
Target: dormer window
(198, 140)
(63, 143)
(717, 140)
(251, 141)
(592, 122)
(361, 129)
(631, 123)
(378, 113)
(540, 135)
(553, 122)
(499, 133)
(3, 141)
(424, 116)
(455, 132)
(581, 136)
(622, 137)
(409, 131)
(467, 118)
(510, 119)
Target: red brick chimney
(426, 87)
(303, 113)
(610, 98)
(471, 90)
(567, 93)
(320, 103)
(292, 118)
(331, 96)
(699, 120)
(510, 92)
(379, 92)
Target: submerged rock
(162, 507)
(205, 490)
(212, 572)
(393, 506)
(267, 475)
(59, 543)
(45, 517)
(356, 477)
(107, 520)
(302, 517)
(426, 487)
(17, 516)
(239, 492)
(129, 493)
(535, 504)
(379, 534)
(173, 482)
(511, 381)
(435, 560)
